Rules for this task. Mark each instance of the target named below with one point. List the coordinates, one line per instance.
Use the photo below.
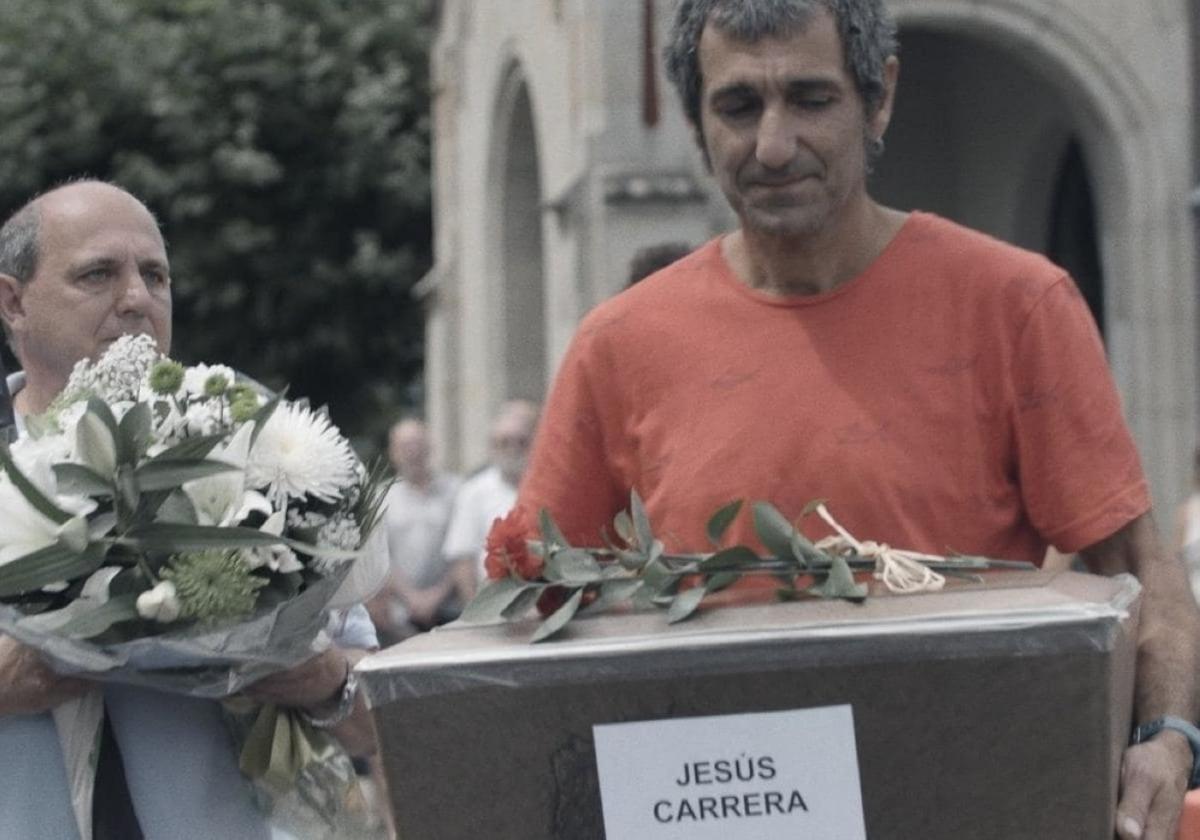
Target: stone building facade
(1065, 126)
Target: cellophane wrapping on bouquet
(180, 529)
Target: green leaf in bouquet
(839, 583)
(51, 564)
(572, 566)
(644, 536)
(685, 603)
(135, 433)
(775, 531)
(721, 520)
(174, 538)
(613, 592)
(493, 599)
(90, 623)
(82, 481)
(167, 475)
(732, 559)
(552, 536)
(178, 509)
(559, 618)
(128, 495)
(95, 444)
(197, 447)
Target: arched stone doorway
(982, 137)
(519, 325)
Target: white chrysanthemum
(298, 453)
(197, 377)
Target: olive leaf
(559, 618)
(720, 521)
(839, 583)
(572, 566)
(494, 598)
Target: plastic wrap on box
(993, 710)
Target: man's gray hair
(19, 243)
(867, 31)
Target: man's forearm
(1169, 624)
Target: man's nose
(133, 295)
(776, 141)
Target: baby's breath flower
(213, 585)
(166, 377)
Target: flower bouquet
(558, 580)
(174, 528)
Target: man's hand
(309, 685)
(423, 604)
(30, 686)
(1154, 774)
(1153, 783)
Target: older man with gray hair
(940, 387)
(80, 266)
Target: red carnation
(508, 548)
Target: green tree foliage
(285, 148)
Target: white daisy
(298, 453)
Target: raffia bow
(901, 571)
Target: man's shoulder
(944, 240)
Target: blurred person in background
(652, 258)
(489, 494)
(419, 592)
(1187, 528)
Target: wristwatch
(1148, 730)
(345, 703)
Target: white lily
(223, 499)
(277, 558)
(23, 528)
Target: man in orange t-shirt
(944, 391)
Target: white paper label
(761, 776)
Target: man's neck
(816, 263)
(36, 396)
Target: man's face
(408, 450)
(102, 273)
(512, 436)
(783, 127)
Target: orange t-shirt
(953, 397)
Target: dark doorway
(1072, 239)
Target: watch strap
(1189, 730)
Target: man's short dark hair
(19, 243)
(867, 31)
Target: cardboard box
(995, 710)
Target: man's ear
(698, 136)
(883, 113)
(12, 307)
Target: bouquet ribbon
(281, 744)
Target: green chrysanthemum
(216, 385)
(166, 377)
(213, 585)
(241, 409)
